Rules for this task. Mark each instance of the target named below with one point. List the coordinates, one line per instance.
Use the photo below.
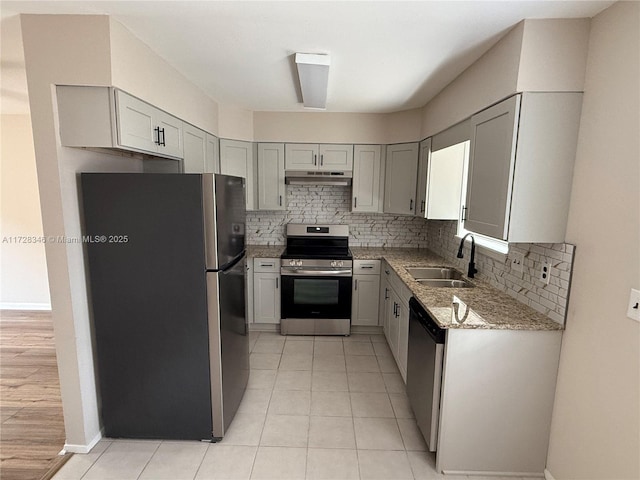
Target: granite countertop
(482, 307)
(264, 251)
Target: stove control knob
(292, 263)
(299, 263)
(334, 263)
(340, 263)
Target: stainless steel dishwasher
(424, 370)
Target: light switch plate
(633, 312)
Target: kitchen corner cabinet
(238, 158)
(321, 157)
(366, 194)
(104, 117)
(395, 316)
(271, 186)
(266, 290)
(365, 291)
(400, 178)
(520, 171)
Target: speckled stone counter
(264, 251)
(481, 307)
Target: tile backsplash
(550, 300)
(331, 204)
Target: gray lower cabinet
(365, 291)
(395, 316)
(266, 290)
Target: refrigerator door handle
(209, 211)
(229, 265)
(215, 354)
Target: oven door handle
(333, 273)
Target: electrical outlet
(545, 273)
(517, 262)
(633, 312)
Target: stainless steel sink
(443, 277)
(444, 283)
(421, 273)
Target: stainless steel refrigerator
(166, 270)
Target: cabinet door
(335, 157)
(366, 178)
(400, 178)
(135, 123)
(170, 133)
(491, 162)
(301, 156)
(195, 148)
(248, 279)
(236, 158)
(394, 304)
(423, 173)
(271, 188)
(266, 297)
(444, 191)
(212, 160)
(403, 338)
(364, 310)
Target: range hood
(300, 177)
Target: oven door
(321, 294)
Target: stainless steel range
(316, 271)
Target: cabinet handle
(411, 204)
(266, 264)
(422, 205)
(386, 271)
(277, 283)
(321, 159)
(363, 267)
(157, 130)
(280, 200)
(355, 202)
(395, 305)
(161, 142)
(386, 291)
(464, 211)
(356, 287)
(315, 159)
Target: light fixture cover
(313, 71)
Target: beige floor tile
(357, 338)
(175, 461)
(330, 404)
(290, 402)
(380, 338)
(262, 379)
(326, 464)
(279, 463)
(296, 362)
(253, 338)
(328, 338)
(269, 345)
(328, 363)
(101, 446)
(423, 465)
(264, 361)
(393, 382)
(328, 348)
(374, 405)
(255, 401)
(298, 347)
(299, 338)
(77, 466)
(411, 435)
(285, 431)
(401, 405)
(387, 365)
(293, 380)
(329, 382)
(122, 461)
(377, 434)
(245, 429)
(358, 348)
(228, 462)
(384, 465)
(382, 350)
(366, 382)
(331, 432)
(362, 363)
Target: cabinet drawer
(266, 265)
(366, 267)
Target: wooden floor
(32, 430)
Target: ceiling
(385, 56)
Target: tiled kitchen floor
(315, 408)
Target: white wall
(23, 267)
(596, 423)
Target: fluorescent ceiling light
(313, 71)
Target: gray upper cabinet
(238, 158)
(520, 172)
(423, 173)
(212, 158)
(444, 182)
(271, 186)
(366, 192)
(324, 157)
(195, 149)
(400, 178)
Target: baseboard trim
(75, 448)
(547, 475)
(24, 306)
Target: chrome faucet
(472, 266)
